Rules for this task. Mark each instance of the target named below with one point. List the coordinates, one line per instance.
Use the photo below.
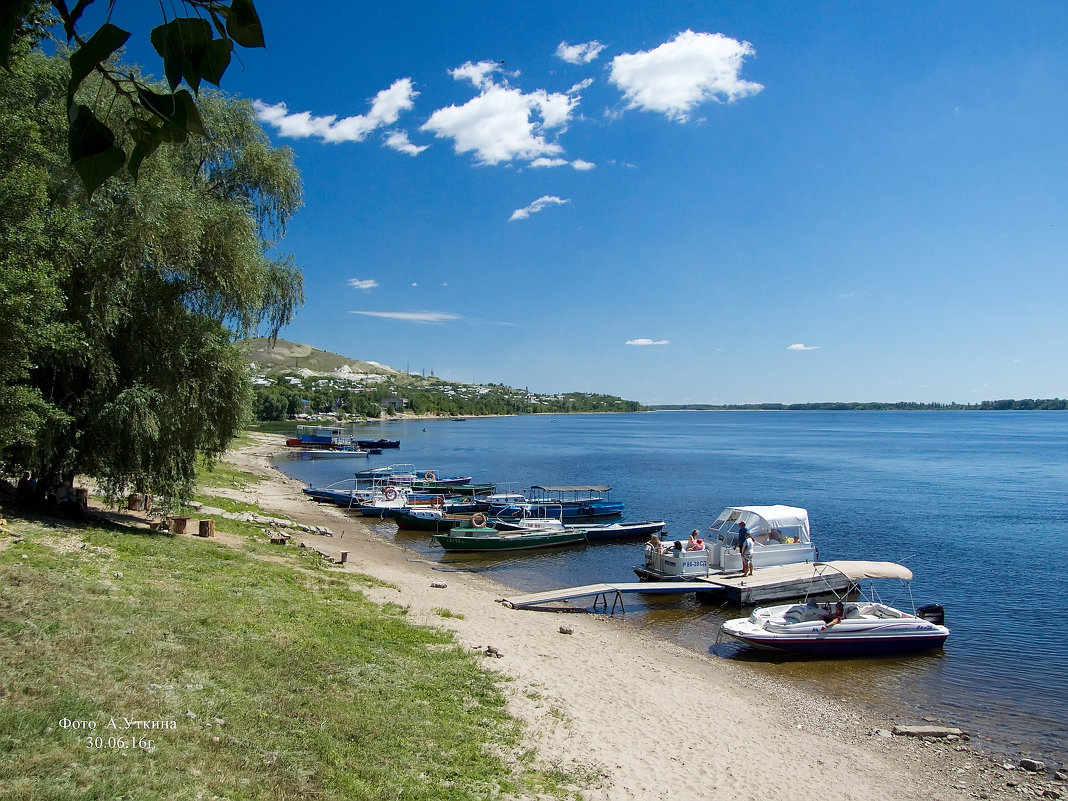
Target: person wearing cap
(745, 548)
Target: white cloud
(497, 125)
(586, 83)
(583, 166)
(412, 317)
(799, 346)
(386, 108)
(398, 140)
(536, 206)
(647, 341)
(579, 53)
(363, 283)
(680, 75)
(547, 162)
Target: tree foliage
(125, 307)
(194, 47)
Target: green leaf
(243, 23)
(190, 113)
(178, 111)
(183, 45)
(217, 60)
(93, 152)
(147, 139)
(103, 43)
(70, 20)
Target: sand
(646, 719)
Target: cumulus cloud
(647, 341)
(799, 346)
(579, 53)
(398, 140)
(412, 317)
(386, 108)
(547, 162)
(539, 204)
(582, 166)
(502, 124)
(363, 283)
(679, 75)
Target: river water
(974, 503)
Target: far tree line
(1025, 404)
(284, 400)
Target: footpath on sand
(645, 718)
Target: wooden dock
(600, 593)
(779, 583)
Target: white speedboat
(868, 626)
(780, 535)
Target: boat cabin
(780, 536)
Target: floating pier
(781, 582)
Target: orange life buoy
(429, 476)
(437, 502)
(478, 520)
(390, 493)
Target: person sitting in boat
(695, 543)
(654, 544)
(835, 617)
(677, 547)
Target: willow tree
(146, 287)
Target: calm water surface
(972, 502)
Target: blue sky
(681, 201)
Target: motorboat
(781, 536)
(478, 536)
(868, 626)
(666, 563)
(596, 532)
(566, 502)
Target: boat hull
(844, 646)
(492, 541)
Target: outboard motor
(933, 613)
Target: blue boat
(581, 502)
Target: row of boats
(463, 516)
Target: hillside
(292, 357)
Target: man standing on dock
(745, 548)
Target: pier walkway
(781, 582)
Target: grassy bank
(209, 671)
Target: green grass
(321, 693)
(441, 611)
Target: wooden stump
(136, 502)
(343, 557)
(207, 528)
(178, 524)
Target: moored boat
(865, 627)
(580, 502)
(477, 536)
(594, 532)
(781, 536)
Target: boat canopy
(581, 488)
(857, 570)
(781, 523)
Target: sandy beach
(645, 718)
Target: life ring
(390, 494)
(437, 502)
(429, 476)
(478, 520)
